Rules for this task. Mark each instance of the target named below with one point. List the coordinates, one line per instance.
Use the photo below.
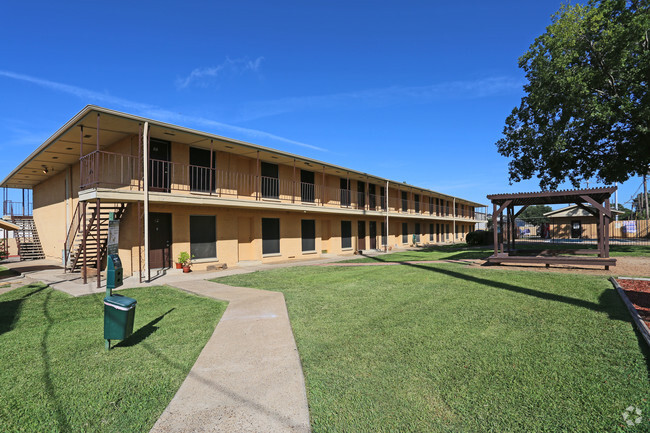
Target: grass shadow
(8, 273)
(606, 303)
(9, 310)
(143, 333)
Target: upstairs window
(270, 183)
(307, 186)
(361, 194)
(405, 201)
(345, 192)
(201, 175)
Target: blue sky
(412, 91)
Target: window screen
(346, 234)
(405, 233)
(417, 232)
(270, 235)
(308, 235)
(203, 236)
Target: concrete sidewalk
(51, 273)
(248, 378)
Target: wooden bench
(553, 260)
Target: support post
(606, 230)
(259, 179)
(293, 196)
(211, 174)
(97, 165)
(145, 165)
(83, 242)
(386, 197)
(454, 238)
(98, 248)
(494, 228)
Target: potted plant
(179, 261)
(185, 260)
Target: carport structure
(504, 244)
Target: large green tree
(586, 112)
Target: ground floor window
(416, 234)
(405, 233)
(270, 235)
(308, 235)
(384, 238)
(203, 236)
(346, 234)
(447, 232)
(431, 233)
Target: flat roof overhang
(62, 149)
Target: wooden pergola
(504, 245)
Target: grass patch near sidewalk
(449, 348)
(57, 376)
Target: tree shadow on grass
(607, 302)
(9, 310)
(143, 333)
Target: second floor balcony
(103, 169)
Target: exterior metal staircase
(79, 240)
(27, 240)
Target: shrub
(479, 237)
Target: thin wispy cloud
(210, 75)
(386, 96)
(148, 110)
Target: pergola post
(494, 229)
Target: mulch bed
(638, 292)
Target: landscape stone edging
(640, 324)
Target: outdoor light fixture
(45, 170)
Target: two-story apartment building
(225, 201)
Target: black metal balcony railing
(307, 192)
(270, 187)
(106, 169)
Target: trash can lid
(120, 302)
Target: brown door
(160, 240)
(372, 228)
(361, 236)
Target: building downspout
(145, 164)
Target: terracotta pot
(179, 266)
(186, 269)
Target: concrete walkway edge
(248, 377)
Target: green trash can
(119, 312)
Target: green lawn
(57, 376)
(462, 251)
(449, 348)
(438, 252)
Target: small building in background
(573, 222)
